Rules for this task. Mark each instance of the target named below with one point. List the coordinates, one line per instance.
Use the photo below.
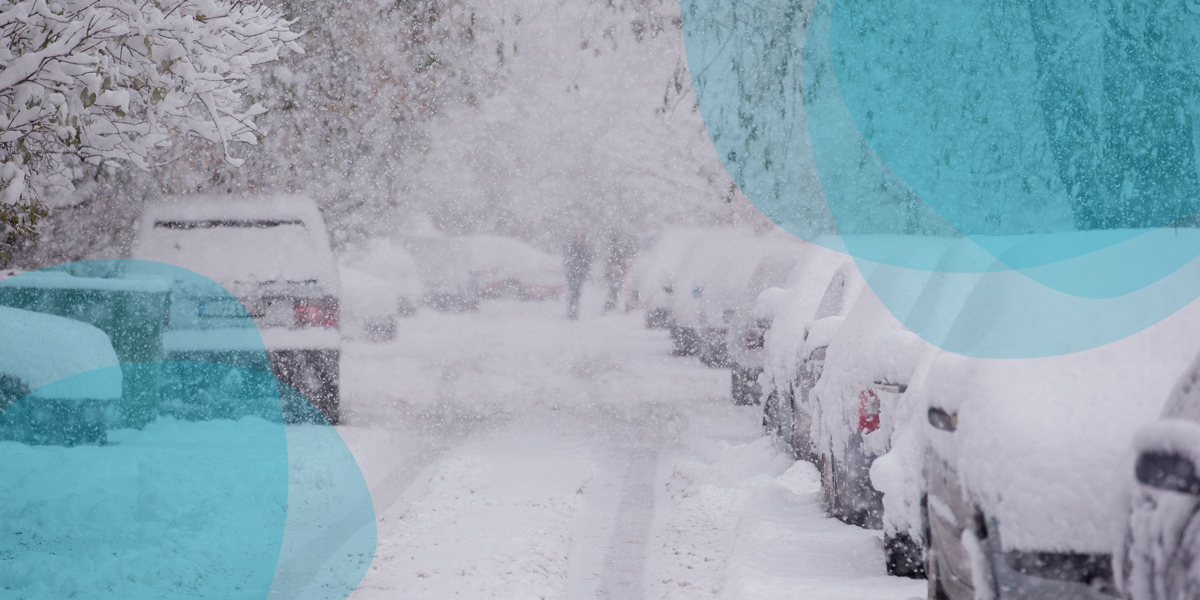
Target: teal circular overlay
(150, 477)
(1032, 166)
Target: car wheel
(740, 387)
(829, 485)
(904, 556)
(771, 414)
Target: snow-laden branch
(92, 82)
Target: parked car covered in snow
(273, 255)
(655, 271)
(40, 350)
(859, 399)
(1027, 458)
(791, 411)
(721, 277)
(744, 342)
(1161, 550)
(504, 267)
(789, 310)
(444, 264)
(380, 282)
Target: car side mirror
(940, 419)
(1168, 471)
(894, 388)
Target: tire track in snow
(624, 574)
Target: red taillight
(316, 313)
(753, 339)
(868, 411)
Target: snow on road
(513, 454)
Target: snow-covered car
(791, 411)
(655, 271)
(1027, 458)
(444, 264)
(503, 267)
(1161, 550)
(744, 338)
(859, 399)
(721, 277)
(273, 255)
(39, 350)
(788, 311)
(379, 283)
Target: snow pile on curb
(738, 519)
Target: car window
(835, 294)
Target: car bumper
(307, 360)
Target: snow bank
(40, 349)
(741, 521)
(170, 511)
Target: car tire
(905, 557)
(742, 386)
(771, 414)
(829, 486)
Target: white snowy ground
(514, 454)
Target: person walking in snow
(576, 262)
(616, 268)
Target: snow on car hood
(40, 349)
(1044, 444)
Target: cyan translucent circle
(1041, 153)
(205, 477)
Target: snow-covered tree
(90, 84)
(346, 122)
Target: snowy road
(513, 454)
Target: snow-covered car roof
(499, 257)
(717, 273)
(240, 239)
(375, 274)
(444, 263)
(40, 349)
(1043, 444)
